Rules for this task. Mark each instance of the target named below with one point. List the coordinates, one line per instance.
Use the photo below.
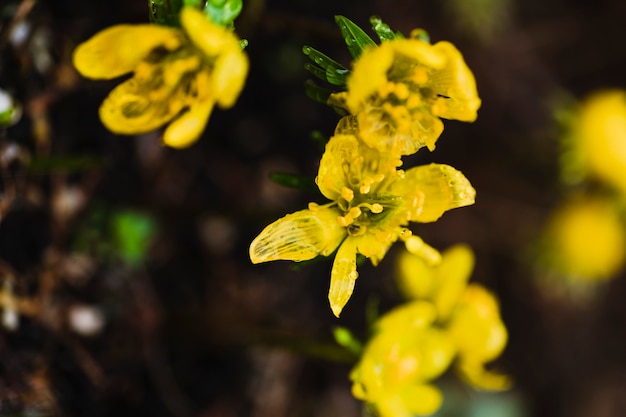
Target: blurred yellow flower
(469, 314)
(585, 239)
(398, 363)
(398, 91)
(371, 203)
(179, 75)
(596, 143)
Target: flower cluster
(448, 322)
(178, 75)
(395, 95)
(583, 242)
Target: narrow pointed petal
(444, 188)
(299, 236)
(117, 50)
(342, 277)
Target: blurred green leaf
(344, 337)
(223, 12)
(49, 164)
(299, 182)
(132, 233)
(165, 12)
(355, 38)
(316, 93)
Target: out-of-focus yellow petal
(420, 52)
(299, 236)
(455, 85)
(601, 131)
(585, 239)
(117, 50)
(369, 72)
(475, 374)
(212, 39)
(476, 326)
(342, 276)
(229, 76)
(415, 245)
(129, 110)
(444, 188)
(188, 127)
(452, 275)
(410, 316)
(422, 399)
(416, 278)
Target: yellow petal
(475, 374)
(369, 72)
(129, 110)
(452, 276)
(456, 86)
(444, 188)
(409, 316)
(229, 76)
(212, 39)
(188, 127)
(416, 278)
(422, 399)
(117, 50)
(420, 52)
(331, 177)
(476, 326)
(342, 276)
(299, 236)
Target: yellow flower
(584, 240)
(399, 361)
(600, 132)
(469, 314)
(371, 203)
(398, 91)
(179, 75)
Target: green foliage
(383, 30)
(165, 12)
(316, 93)
(345, 338)
(325, 68)
(299, 182)
(223, 12)
(131, 233)
(355, 38)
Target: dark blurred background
(128, 261)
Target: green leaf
(132, 234)
(383, 30)
(316, 93)
(325, 68)
(345, 338)
(299, 182)
(165, 12)
(355, 38)
(223, 12)
(319, 138)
